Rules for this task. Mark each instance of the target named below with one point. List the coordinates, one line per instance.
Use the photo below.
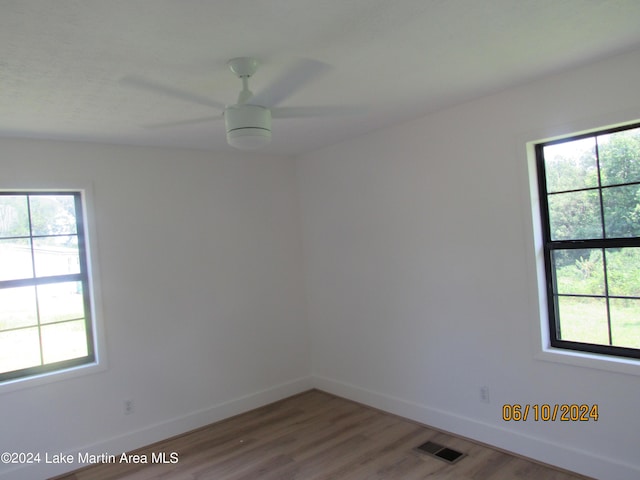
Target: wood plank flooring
(317, 436)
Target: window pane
(583, 320)
(623, 271)
(622, 211)
(18, 307)
(53, 214)
(575, 216)
(590, 196)
(15, 259)
(14, 217)
(620, 157)
(64, 341)
(579, 272)
(42, 319)
(571, 165)
(56, 255)
(625, 322)
(60, 301)
(19, 349)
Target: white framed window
(46, 302)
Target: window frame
(549, 246)
(94, 360)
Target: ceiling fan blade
(319, 111)
(150, 85)
(190, 121)
(296, 76)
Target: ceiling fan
(248, 121)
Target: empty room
(319, 239)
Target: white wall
(200, 274)
(421, 276)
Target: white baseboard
(542, 450)
(160, 431)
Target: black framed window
(45, 309)
(590, 207)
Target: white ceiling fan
(248, 121)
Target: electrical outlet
(484, 394)
(128, 407)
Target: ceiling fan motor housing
(248, 126)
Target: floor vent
(440, 451)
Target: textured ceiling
(62, 62)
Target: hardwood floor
(315, 436)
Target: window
(45, 309)
(590, 207)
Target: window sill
(590, 360)
(50, 377)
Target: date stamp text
(566, 412)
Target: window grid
(35, 281)
(594, 244)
